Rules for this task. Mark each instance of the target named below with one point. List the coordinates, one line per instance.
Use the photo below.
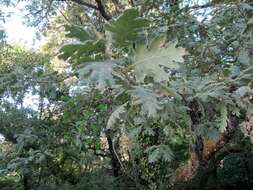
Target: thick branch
(99, 7)
(114, 159)
(131, 2)
(102, 11)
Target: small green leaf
(87, 114)
(66, 115)
(103, 107)
(98, 144)
(93, 126)
(65, 98)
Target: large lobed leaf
(85, 48)
(116, 116)
(147, 99)
(125, 28)
(157, 152)
(100, 74)
(78, 33)
(83, 52)
(156, 59)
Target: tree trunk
(25, 182)
(114, 160)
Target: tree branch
(99, 7)
(202, 6)
(102, 11)
(80, 2)
(131, 2)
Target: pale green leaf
(155, 60)
(163, 152)
(116, 115)
(223, 118)
(100, 74)
(147, 99)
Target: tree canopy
(131, 94)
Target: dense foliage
(130, 95)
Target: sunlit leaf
(157, 60)
(100, 74)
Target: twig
(64, 16)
